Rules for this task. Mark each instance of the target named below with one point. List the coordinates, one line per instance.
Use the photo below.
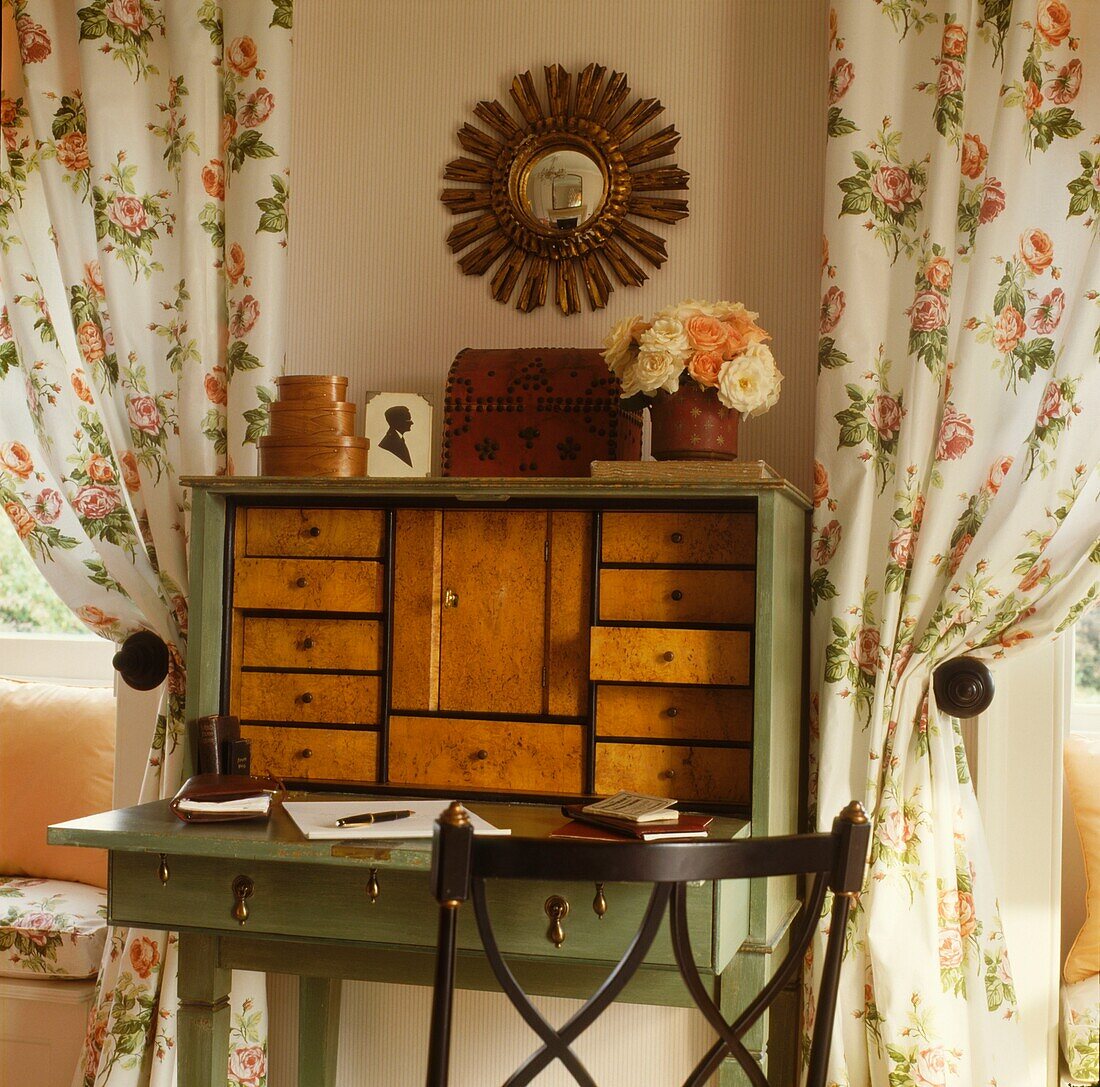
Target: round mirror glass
(563, 188)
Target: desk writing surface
(152, 828)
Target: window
(40, 638)
(1085, 712)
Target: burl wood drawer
(679, 539)
(674, 713)
(342, 754)
(314, 533)
(322, 697)
(352, 645)
(716, 774)
(307, 585)
(516, 755)
(655, 655)
(678, 596)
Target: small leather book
(224, 798)
(686, 826)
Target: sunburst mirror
(556, 189)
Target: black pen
(373, 817)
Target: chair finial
(854, 813)
(456, 815)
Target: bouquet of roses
(718, 345)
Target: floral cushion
(1081, 1029)
(51, 928)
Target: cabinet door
(493, 630)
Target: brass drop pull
(307, 643)
(450, 598)
(306, 697)
(373, 890)
(314, 531)
(302, 582)
(672, 711)
(599, 903)
(481, 755)
(307, 752)
(162, 871)
(677, 537)
(242, 890)
(669, 656)
(676, 594)
(557, 909)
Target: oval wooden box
(312, 419)
(312, 387)
(333, 457)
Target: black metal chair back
(462, 863)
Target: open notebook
(316, 819)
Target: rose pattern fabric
(143, 228)
(1080, 1029)
(957, 481)
(51, 928)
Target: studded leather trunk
(534, 412)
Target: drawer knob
(481, 755)
(302, 582)
(242, 890)
(672, 711)
(667, 774)
(599, 903)
(450, 599)
(669, 656)
(307, 698)
(677, 537)
(307, 643)
(676, 594)
(314, 531)
(162, 870)
(557, 909)
(373, 890)
(307, 752)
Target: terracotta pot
(691, 424)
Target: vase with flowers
(698, 366)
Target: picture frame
(399, 428)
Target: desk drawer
(317, 697)
(678, 596)
(305, 753)
(486, 754)
(679, 539)
(314, 533)
(334, 645)
(652, 655)
(308, 585)
(329, 901)
(675, 713)
(717, 774)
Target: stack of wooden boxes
(312, 430)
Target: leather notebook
(224, 798)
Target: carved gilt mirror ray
(555, 189)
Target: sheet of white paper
(316, 819)
(246, 804)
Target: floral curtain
(143, 220)
(956, 487)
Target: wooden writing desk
(364, 910)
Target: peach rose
(954, 40)
(821, 483)
(826, 543)
(832, 309)
(245, 315)
(951, 949)
(956, 434)
(99, 468)
(234, 262)
(213, 179)
(706, 333)
(928, 312)
(15, 457)
(894, 829)
(96, 617)
(7, 112)
(47, 506)
(72, 152)
(127, 14)
(892, 185)
(256, 109)
(975, 154)
(742, 332)
(1063, 88)
(80, 386)
(938, 273)
(34, 42)
(1036, 249)
(91, 342)
(1053, 406)
(959, 551)
(1033, 98)
(1008, 329)
(867, 650)
(950, 78)
(229, 129)
(885, 414)
(144, 956)
(1045, 317)
(241, 55)
(216, 385)
(840, 79)
(20, 517)
(144, 414)
(901, 546)
(1052, 20)
(93, 277)
(703, 366)
(128, 212)
(130, 474)
(997, 474)
(36, 927)
(94, 502)
(993, 200)
(968, 919)
(248, 1066)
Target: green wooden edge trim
(770, 945)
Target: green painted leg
(740, 982)
(203, 1029)
(318, 1031)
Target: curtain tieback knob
(964, 686)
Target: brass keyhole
(373, 890)
(450, 599)
(242, 890)
(557, 909)
(162, 871)
(599, 903)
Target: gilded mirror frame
(590, 120)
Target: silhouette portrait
(399, 426)
(400, 421)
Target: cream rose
(750, 383)
(620, 343)
(667, 334)
(654, 369)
